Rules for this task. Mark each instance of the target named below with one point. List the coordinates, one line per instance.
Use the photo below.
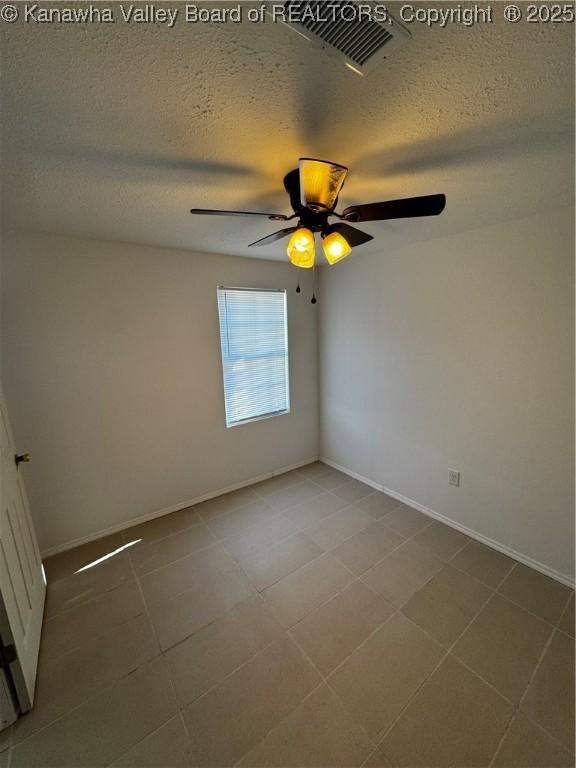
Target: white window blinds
(254, 340)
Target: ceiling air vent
(361, 34)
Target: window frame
(271, 414)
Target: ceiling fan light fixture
(320, 183)
(301, 248)
(335, 247)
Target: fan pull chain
(313, 300)
(298, 283)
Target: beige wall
(113, 379)
(459, 353)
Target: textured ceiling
(115, 131)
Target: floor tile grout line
(276, 513)
(186, 731)
(375, 565)
(262, 550)
(348, 709)
(503, 737)
(104, 591)
(375, 751)
(324, 679)
(332, 597)
(412, 538)
(97, 692)
(169, 675)
(459, 550)
(253, 529)
(323, 490)
(542, 728)
(326, 682)
(136, 576)
(388, 554)
(467, 543)
(99, 637)
(493, 590)
(220, 543)
(198, 523)
(527, 610)
(563, 612)
(165, 538)
(523, 607)
(203, 519)
(160, 655)
(535, 724)
(282, 512)
(490, 597)
(220, 540)
(541, 658)
(206, 519)
(524, 694)
(397, 609)
(268, 732)
(449, 648)
(304, 530)
(375, 521)
(232, 672)
(449, 652)
(285, 488)
(246, 661)
(259, 497)
(564, 633)
(140, 741)
(287, 631)
(326, 517)
(213, 544)
(324, 602)
(285, 576)
(210, 623)
(320, 471)
(99, 596)
(229, 514)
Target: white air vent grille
(349, 29)
(358, 39)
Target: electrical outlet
(453, 477)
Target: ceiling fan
(313, 189)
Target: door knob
(21, 457)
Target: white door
(22, 583)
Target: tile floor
(305, 621)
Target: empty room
(287, 384)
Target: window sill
(257, 418)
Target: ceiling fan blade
(274, 236)
(210, 212)
(427, 205)
(353, 236)
(320, 183)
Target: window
(254, 340)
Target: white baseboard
(514, 554)
(174, 508)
